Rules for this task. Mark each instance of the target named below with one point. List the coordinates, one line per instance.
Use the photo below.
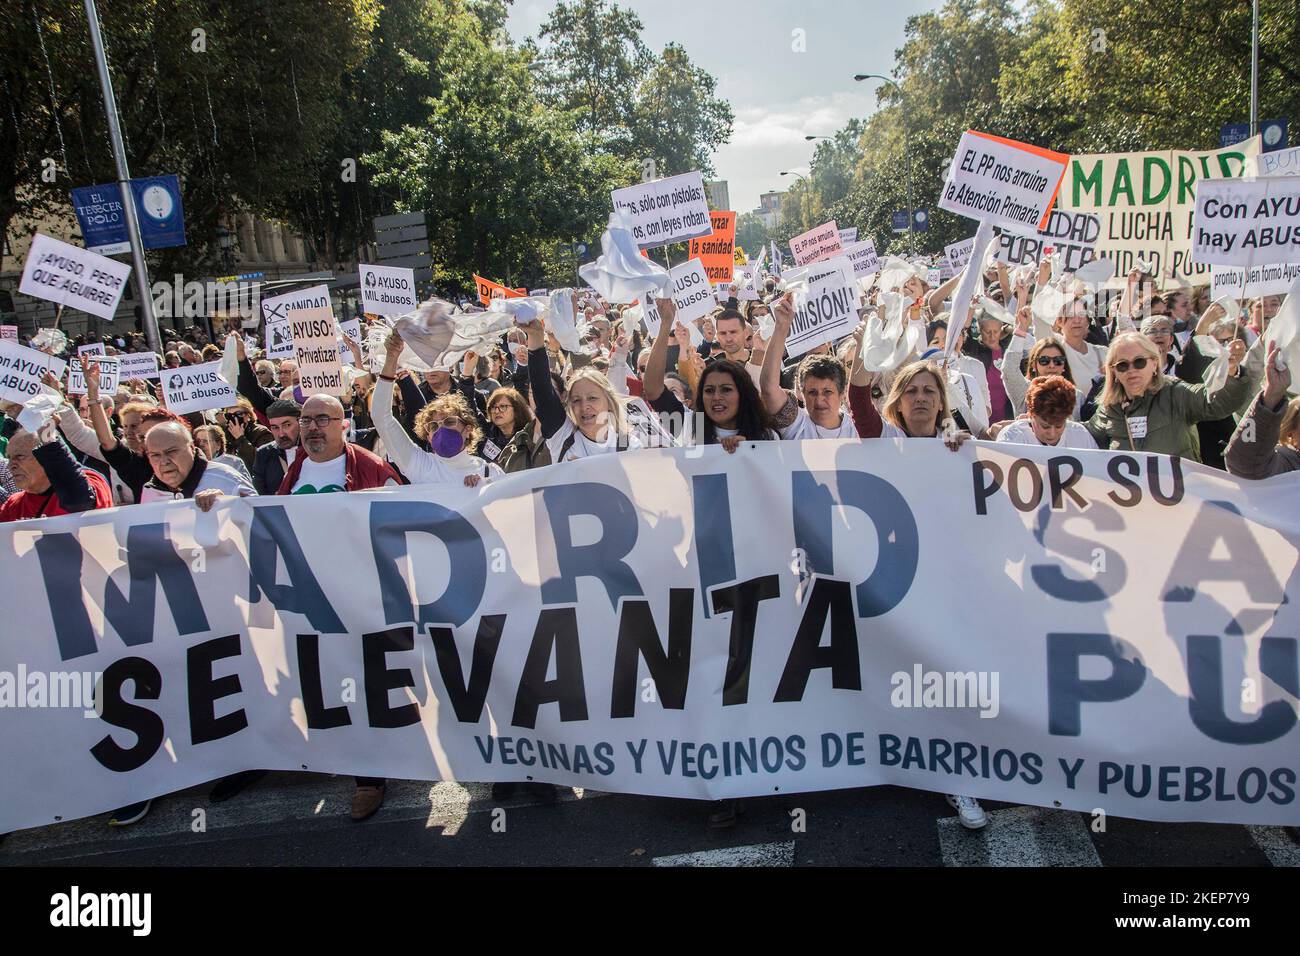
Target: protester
(181, 471)
(1141, 409)
(1049, 403)
(48, 481)
(243, 435)
(821, 380)
(211, 440)
(1267, 441)
(447, 424)
(273, 458)
(1046, 357)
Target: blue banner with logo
(158, 210)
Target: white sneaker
(969, 812)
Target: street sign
(158, 210)
(1273, 133)
(1230, 134)
(899, 220)
(921, 220)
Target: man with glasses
(332, 464)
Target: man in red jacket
(332, 464)
(49, 480)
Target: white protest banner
(649, 314)
(196, 388)
(1072, 235)
(1002, 182)
(862, 257)
(351, 329)
(94, 348)
(848, 236)
(1111, 689)
(958, 254)
(1284, 162)
(1273, 279)
(315, 349)
(73, 277)
(279, 340)
(387, 290)
(9, 332)
(691, 291)
(277, 307)
(1146, 202)
(138, 365)
(819, 243)
(1247, 222)
(21, 371)
(109, 371)
(665, 210)
(826, 309)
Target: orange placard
(489, 290)
(716, 250)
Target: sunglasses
(1124, 366)
(1052, 360)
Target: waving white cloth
(427, 332)
(621, 273)
(889, 338)
(894, 273)
(1284, 329)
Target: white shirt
(318, 477)
(1021, 432)
(1085, 365)
(804, 428)
(216, 476)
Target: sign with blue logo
(921, 220)
(1272, 132)
(158, 209)
(900, 219)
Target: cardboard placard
(816, 244)
(279, 340)
(109, 370)
(862, 256)
(137, 365)
(315, 349)
(717, 250)
(1002, 181)
(387, 290)
(826, 310)
(21, 370)
(1071, 235)
(1273, 279)
(489, 290)
(276, 308)
(692, 294)
(665, 210)
(73, 277)
(196, 388)
(1247, 222)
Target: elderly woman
(1142, 409)
(1267, 442)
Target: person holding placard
(1142, 409)
(821, 380)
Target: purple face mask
(447, 443)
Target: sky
(778, 95)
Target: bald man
(181, 471)
(49, 480)
(331, 463)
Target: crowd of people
(1044, 360)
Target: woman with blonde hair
(1142, 409)
(447, 425)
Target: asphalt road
(301, 820)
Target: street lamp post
(1254, 69)
(907, 155)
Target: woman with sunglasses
(1046, 357)
(512, 438)
(447, 424)
(243, 435)
(1142, 409)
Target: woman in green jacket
(1142, 409)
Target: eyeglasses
(446, 423)
(499, 407)
(1160, 330)
(317, 421)
(1051, 360)
(1123, 366)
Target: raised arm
(934, 301)
(98, 417)
(550, 410)
(774, 396)
(397, 444)
(656, 366)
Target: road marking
(288, 797)
(1276, 844)
(1019, 836)
(759, 854)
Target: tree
(751, 233)
(592, 62)
(678, 120)
(502, 177)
